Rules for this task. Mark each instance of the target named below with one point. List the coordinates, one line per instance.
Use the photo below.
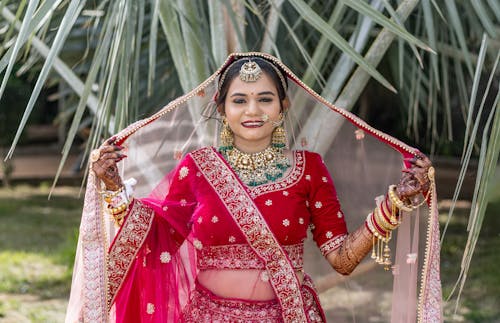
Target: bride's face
(246, 106)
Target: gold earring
(279, 135)
(226, 136)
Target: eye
(266, 99)
(239, 101)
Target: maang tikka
(250, 71)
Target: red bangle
(381, 231)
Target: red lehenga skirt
(205, 306)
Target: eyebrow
(260, 93)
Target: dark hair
(234, 70)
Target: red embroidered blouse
(305, 197)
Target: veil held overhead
(362, 161)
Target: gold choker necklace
(257, 168)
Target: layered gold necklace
(257, 168)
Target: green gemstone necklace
(257, 168)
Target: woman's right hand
(105, 165)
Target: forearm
(383, 220)
(376, 229)
(352, 250)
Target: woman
(235, 215)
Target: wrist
(113, 186)
(119, 200)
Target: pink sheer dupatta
(162, 271)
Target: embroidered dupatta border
(94, 245)
(256, 231)
(429, 302)
(125, 247)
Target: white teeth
(253, 124)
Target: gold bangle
(119, 209)
(119, 218)
(381, 253)
(391, 213)
(119, 214)
(382, 221)
(397, 201)
(374, 229)
(108, 196)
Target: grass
(37, 245)
(38, 239)
(481, 295)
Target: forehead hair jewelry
(250, 71)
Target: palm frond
(477, 76)
(317, 22)
(352, 90)
(23, 35)
(72, 13)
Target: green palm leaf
(317, 22)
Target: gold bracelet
(119, 218)
(381, 253)
(382, 221)
(374, 228)
(393, 219)
(119, 209)
(395, 200)
(119, 213)
(108, 196)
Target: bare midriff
(248, 284)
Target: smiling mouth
(253, 124)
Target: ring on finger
(431, 173)
(95, 155)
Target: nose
(253, 108)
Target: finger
(411, 160)
(408, 170)
(421, 180)
(110, 141)
(97, 170)
(112, 155)
(406, 191)
(409, 181)
(406, 177)
(420, 173)
(415, 172)
(423, 161)
(110, 148)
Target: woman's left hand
(415, 179)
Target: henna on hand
(414, 180)
(104, 165)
